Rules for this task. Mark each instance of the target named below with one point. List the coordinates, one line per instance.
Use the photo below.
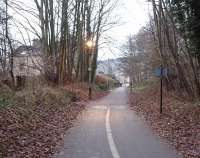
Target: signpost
(161, 72)
(161, 89)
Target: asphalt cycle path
(109, 129)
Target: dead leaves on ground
(80, 89)
(180, 122)
(33, 130)
(36, 124)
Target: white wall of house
(27, 65)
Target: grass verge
(32, 122)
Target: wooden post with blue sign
(161, 89)
(161, 72)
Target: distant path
(109, 129)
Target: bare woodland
(162, 42)
(63, 28)
(53, 45)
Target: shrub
(6, 96)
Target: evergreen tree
(187, 18)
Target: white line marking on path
(111, 142)
(101, 107)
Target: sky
(134, 14)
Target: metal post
(90, 92)
(89, 79)
(161, 89)
(90, 85)
(90, 46)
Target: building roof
(26, 51)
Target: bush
(6, 96)
(101, 87)
(44, 95)
(104, 82)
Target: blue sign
(159, 70)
